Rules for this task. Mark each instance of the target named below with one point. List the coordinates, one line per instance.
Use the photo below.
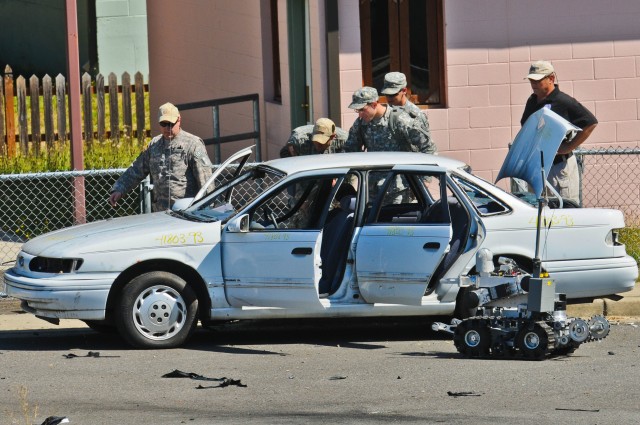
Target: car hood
(120, 234)
(542, 132)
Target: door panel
(276, 262)
(272, 268)
(395, 263)
(406, 235)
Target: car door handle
(302, 251)
(431, 245)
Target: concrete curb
(629, 305)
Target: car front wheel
(157, 310)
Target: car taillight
(613, 237)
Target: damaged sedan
(343, 235)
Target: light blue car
(342, 235)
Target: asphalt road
(315, 372)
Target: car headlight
(55, 265)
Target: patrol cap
(168, 112)
(540, 69)
(362, 97)
(323, 130)
(394, 82)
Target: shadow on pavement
(359, 334)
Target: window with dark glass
(275, 46)
(405, 36)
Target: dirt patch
(10, 306)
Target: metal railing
(217, 140)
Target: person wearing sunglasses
(176, 160)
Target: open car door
(405, 235)
(274, 261)
(242, 156)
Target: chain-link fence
(37, 203)
(33, 204)
(611, 179)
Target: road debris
(224, 381)
(463, 394)
(94, 354)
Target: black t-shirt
(562, 104)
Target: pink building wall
(208, 49)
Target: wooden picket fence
(37, 113)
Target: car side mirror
(239, 224)
(181, 204)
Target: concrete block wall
(594, 46)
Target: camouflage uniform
(403, 134)
(303, 145)
(179, 167)
(393, 83)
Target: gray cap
(363, 96)
(394, 82)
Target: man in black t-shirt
(564, 174)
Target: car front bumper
(61, 296)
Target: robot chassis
(517, 316)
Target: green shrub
(630, 236)
(103, 155)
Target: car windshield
(231, 197)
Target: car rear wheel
(157, 310)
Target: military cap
(394, 82)
(323, 130)
(363, 97)
(168, 112)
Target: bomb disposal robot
(514, 314)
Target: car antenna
(542, 201)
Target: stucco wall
(122, 37)
(206, 50)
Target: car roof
(297, 164)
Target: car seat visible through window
(336, 236)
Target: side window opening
(406, 198)
(484, 203)
(297, 206)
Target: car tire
(157, 310)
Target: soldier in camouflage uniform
(395, 89)
(380, 127)
(177, 162)
(323, 137)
